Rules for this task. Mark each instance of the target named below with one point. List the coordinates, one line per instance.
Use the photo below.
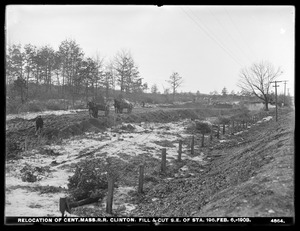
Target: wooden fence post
(211, 134)
(64, 206)
(232, 128)
(202, 140)
(179, 150)
(141, 178)
(26, 144)
(223, 129)
(110, 195)
(192, 145)
(218, 133)
(163, 159)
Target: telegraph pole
(276, 97)
(284, 92)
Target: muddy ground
(250, 173)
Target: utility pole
(276, 97)
(284, 92)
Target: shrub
(89, 179)
(12, 106)
(224, 120)
(203, 126)
(12, 148)
(33, 106)
(80, 106)
(55, 106)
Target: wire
(226, 31)
(251, 51)
(211, 37)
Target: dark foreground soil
(254, 178)
(252, 175)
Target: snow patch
(268, 118)
(24, 202)
(184, 168)
(32, 115)
(198, 158)
(21, 202)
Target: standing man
(38, 125)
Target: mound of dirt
(161, 116)
(20, 133)
(251, 179)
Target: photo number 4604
(277, 220)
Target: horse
(94, 108)
(117, 105)
(120, 104)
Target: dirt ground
(254, 178)
(248, 174)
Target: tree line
(67, 72)
(33, 72)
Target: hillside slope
(253, 178)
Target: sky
(206, 45)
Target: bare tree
(175, 81)
(257, 80)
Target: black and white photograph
(149, 115)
